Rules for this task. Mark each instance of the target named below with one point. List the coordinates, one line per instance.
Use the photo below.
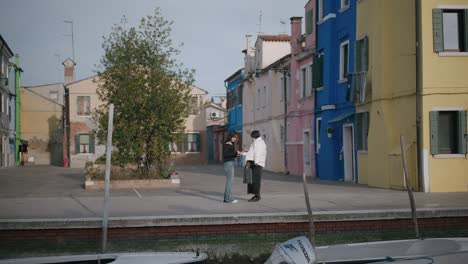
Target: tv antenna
(260, 23)
(283, 26)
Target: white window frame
(320, 10)
(90, 108)
(453, 155)
(343, 5)
(452, 53)
(303, 86)
(343, 79)
(199, 147)
(317, 134)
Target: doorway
(348, 152)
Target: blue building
(234, 89)
(334, 113)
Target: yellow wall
(445, 84)
(392, 85)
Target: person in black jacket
(229, 155)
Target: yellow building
(405, 80)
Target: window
(344, 4)
(192, 142)
(309, 80)
(54, 95)
(239, 94)
(303, 82)
(317, 71)
(84, 144)
(83, 105)
(318, 128)
(310, 22)
(177, 146)
(344, 56)
(194, 107)
(448, 132)
(450, 30)
(361, 58)
(362, 130)
(7, 105)
(320, 7)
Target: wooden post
(105, 218)
(409, 187)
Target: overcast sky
(213, 32)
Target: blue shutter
(462, 137)
(438, 29)
(434, 127)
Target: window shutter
(438, 30)
(91, 144)
(186, 144)
(365, 130)
(310, 21)
(365, 54)
(434, 126)
(359, 131)
(198, 142)
(466, 29)
(358, 56)
(77, 143)
(462, 140)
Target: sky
(212, 31)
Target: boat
(432, 250)
(116, 258)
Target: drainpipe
(419, 135)
(17, 110)
(285, 92)
(66, 117)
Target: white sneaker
(232, 202)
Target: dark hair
(230, 136)
(255, 134)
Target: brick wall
(263, 228)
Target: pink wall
(300, 110)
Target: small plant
(89, 170)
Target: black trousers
(254, 188)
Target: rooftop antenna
(260, 23)
(283, 26)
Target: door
(307, 154)
(348, 153)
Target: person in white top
(256, 156)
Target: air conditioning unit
(215, 115)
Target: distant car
(117, 258)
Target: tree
(150, 91)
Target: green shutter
(186, 145)
(365, 54)
(434, 127)
(358, 56)
(310, 22)
(317, 71)
(91, 144)
(77, 143)
(438, 29)
(365, 130)
(198, 142)
(359, 130)
(466, 30)
(462, 137)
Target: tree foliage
(150, 89)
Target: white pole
(105, 217)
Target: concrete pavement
(42, 192)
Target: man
(256, 157)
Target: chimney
(69, 71)
(296, 34)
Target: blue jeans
(229, 169)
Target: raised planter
(173, 181)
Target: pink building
(300, 111)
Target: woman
(229, 155)
(256, 156)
